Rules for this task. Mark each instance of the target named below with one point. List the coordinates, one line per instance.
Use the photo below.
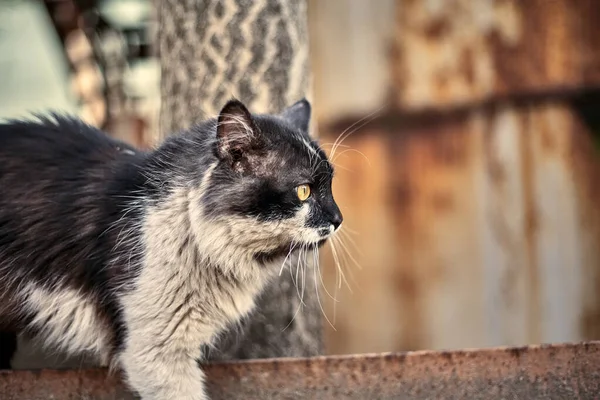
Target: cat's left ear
(237, 135)
(298, 114)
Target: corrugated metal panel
(548, 372)
(477, 221)
(474, 229)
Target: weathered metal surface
(538, 372)
(477, 221)
(475, 229)
(460, 51)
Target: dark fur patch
(64, 184)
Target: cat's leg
(8, 348)
(163, 372)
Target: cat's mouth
(324, 232)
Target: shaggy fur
(143, 259)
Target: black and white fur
(142, 258)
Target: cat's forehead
(295, 151)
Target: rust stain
(531, 229)
(467, 59)
(568, 371)
(590, 40)
(407, 280)
(403, 196)
(494, 168)
(523, 64)
(442, 202)
(515, 71)
(437, 29)
(548, 141)
(410, 295)
(497, 48)
(449, 149)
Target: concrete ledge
(566, 371)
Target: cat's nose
(336, 220)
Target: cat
(144, 258)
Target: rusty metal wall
(477, 218)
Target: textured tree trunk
(256, 51)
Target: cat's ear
(237, 134)
(298, 114)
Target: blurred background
(469, 184)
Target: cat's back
(62, 183)
(56, 155)
(56, 144)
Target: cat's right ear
(237, 134)
(298, 114)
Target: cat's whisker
(337, 166)
(349, 230)
(337, 262)
(300, 304)
(346, 235)
(331, 144)
(349, 131)
(336, 290)
(293, 316)
(329, 152)
(291, 269)
(292, 245)
(352, 150)
(339, 139)
(319, 300)
(334, 297)
(304, 267)
(341, 242)
(323, 283)
(299, 266)
(343, 264)
(343, 255)
(298, 259)
(338, 278)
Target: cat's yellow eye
(303, 192)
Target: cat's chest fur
(179, 297)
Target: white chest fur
(182, 300)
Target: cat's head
(271, 183)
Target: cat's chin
(282, 252)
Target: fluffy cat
(143, 258)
